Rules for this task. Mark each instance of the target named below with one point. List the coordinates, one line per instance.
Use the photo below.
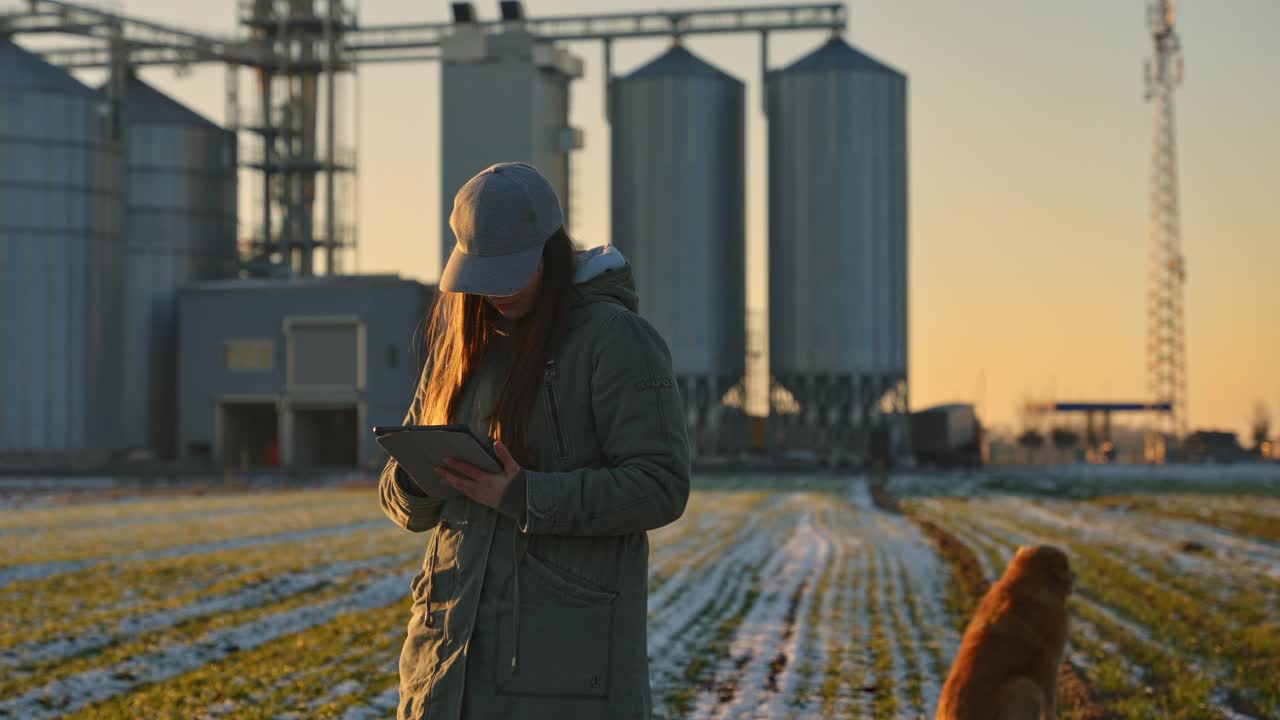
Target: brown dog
(1007, 665)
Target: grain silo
(838, 238)
(59, 261)
(678, 186)
(179, 228)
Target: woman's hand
(485, 488)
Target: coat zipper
(548, 376)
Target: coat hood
(604, 275)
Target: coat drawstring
(518, 549)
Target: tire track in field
(910, 567)
(982, 550)
(797, 647)
(799, 696)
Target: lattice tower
(1166, 340)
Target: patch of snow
(346, 687)
(799, 650)
(683, 627)
(757, 638)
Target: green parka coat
(538, 611)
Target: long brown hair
(460, 329)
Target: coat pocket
(566, 637)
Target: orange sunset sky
(1030, 154)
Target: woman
(532, 598)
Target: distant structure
(1098, 443)
(119, 223)
(679, 182)
(61, 283)
(295, 52)
(1166, 336)
(838, 252)
(1218, 446)
(294, 373)
(504, 95)
(947, 436)
(179, 228)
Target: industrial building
(295, 373)
(177, 324)
(522, 114)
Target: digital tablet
(420, 448)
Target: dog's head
(1043, 566)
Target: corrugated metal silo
(59, 260)
(678, 213)
(179, 228)
(838, 233)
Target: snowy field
(774, 597)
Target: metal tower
(1166, 344)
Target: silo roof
(23, 70)
(839, 55)
(679, 61)
(145, 105)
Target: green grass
(1252, 515)
(1157, 639)
(58, 606)
(885, 699)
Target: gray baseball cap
(501, 218)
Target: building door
(326, 436)
(325, 384)
(250, 434)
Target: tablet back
(420, 451)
